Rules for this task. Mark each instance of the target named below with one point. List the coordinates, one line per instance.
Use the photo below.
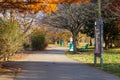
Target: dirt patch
(12, 66)
(10, 70)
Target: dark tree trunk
(75, 43)
(90, 41)
(110, 43)
(106, 44)
(106, 39)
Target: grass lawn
(111, 60)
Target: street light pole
(99, 36)
(99, 9)
(101, 31)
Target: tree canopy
(46, 6)
(71, 17)
(114, 7)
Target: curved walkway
(52, 64)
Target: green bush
(38, 41)
(10, 39)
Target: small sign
(97, 40)
(98, 37)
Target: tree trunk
(11, 15)
(106, 39)
(110, 43)
(90, 41)
(4, 14)
(74, 43)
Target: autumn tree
(34, 5)
(27, 7)
(70, 17)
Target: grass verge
(111, 60)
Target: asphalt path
(53, 64)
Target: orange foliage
(49, 6)
(36, 7)
(46, 6)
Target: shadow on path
(60, 71)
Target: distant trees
(55, 35)
(111, 31)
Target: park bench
(84, 48)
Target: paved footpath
(52, 64)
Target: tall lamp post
(99, 9)
(99, 36)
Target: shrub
(26, 46)
(38, 41)
(10, 39)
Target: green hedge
(38, 41)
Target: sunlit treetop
(45, 1)
(46, 6)
(49, 6)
